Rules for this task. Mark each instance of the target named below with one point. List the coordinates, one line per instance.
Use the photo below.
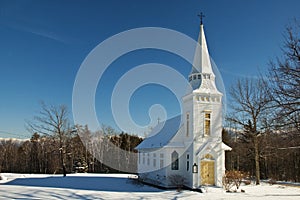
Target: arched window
(175, 162)
(208, 157)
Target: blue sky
(43, 43)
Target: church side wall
(181, 167)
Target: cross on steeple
(201, 15)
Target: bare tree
(285, 78)
(250, 100)
(53, 122)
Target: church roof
(162, 134)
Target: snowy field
(118, 186)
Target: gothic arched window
(175, 162)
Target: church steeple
(202, 76)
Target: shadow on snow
(109, 184)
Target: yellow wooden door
(207, 173)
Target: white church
(189, 146)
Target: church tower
(204, 104)
(203, 118)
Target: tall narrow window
(175, 162)
(139, 157)
(187, 162)
(154, 159)
(207, 123)
(187, 124)
(148, 159)
(161, 163)
(143, 158)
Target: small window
(208, 156)
(175, 162)
(207, 115)
(194, 77)
(154, 162)
(161, 155)
(190, 78)
(143, 158)
(199, 76)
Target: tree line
(84, 151)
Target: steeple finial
(201, 15)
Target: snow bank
(119, 186)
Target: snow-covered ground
(118, 186)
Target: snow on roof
(226, 147)
(162, 134)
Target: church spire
(201, 57)
(202, 74)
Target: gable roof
(212, 144)
(162, 134)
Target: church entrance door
(207, 173)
